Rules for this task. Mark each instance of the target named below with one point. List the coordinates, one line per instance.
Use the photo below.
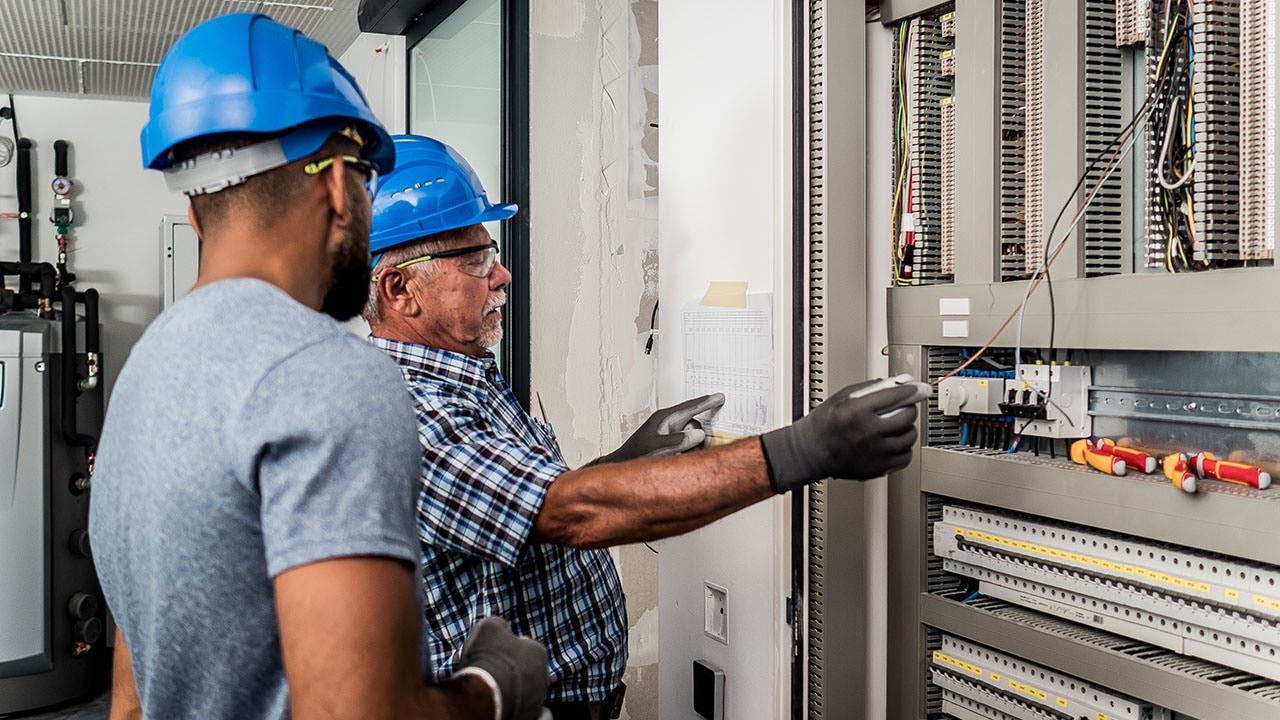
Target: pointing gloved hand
(863, 431)
(514, 667)
(668, 431)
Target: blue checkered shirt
(486, 468)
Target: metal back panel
(24, 499)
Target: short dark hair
(261, 194)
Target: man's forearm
(652, 498)
(125, 704)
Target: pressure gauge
(62, 185)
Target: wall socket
(716, 613)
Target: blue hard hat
(246, 73)
(433, 189)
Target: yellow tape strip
(1266, 602)
(1044, 697)
(1114, 567)
(944, 658)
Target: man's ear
(195, 221)
(393, 289)
(335, 185)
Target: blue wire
(971, 597)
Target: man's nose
(500, 277)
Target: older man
(506, 526)
(252, 516)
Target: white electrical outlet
(716, 613)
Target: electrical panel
(1091, 501)
(924, 141)
(979, 682)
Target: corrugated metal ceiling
(110, 48)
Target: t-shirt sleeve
(331, 434)
(482, 487)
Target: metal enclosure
(179, 258)
(48, 589)
(1191, 336)
(834, 240)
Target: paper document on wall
(728, 348)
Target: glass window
(455, 96)
(455, 88)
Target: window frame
(516, 359)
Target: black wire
(653, 325)
(13, 117)
(655, 552)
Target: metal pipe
(70, 374)
(92, 340)
(24, 207)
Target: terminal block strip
(1194, 603)
(977, 678)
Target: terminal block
(975, 679)
(1052, 399)
(1192, 602)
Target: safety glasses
(369, 169)
(478, 267)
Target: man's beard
(349, 283)
(491, 330)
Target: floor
(93, 708)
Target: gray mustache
(498, 301)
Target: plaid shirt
(486, 468)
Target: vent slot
(817, 361)
(948, 224)
(1104, 119)
(1013, 139)
(939, 428)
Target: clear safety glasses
(478, 267)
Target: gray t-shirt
(247, 435)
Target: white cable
(1164, 153)
(1050, 252)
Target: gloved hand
(516, 665)
(668, 431)
(856, 434)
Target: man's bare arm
(125, 704)
(349, 630)
(652, 498)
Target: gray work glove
(516, 668)
(859, 433)
(668, 431)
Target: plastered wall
(594, 255)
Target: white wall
(594, 256)
(725, 177)
(115, 243)
(378, 64)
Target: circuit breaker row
(980, 683)
(1220, 609)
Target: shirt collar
(443, 363)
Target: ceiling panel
(38, 76)
(101, 80)
(45, 43)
